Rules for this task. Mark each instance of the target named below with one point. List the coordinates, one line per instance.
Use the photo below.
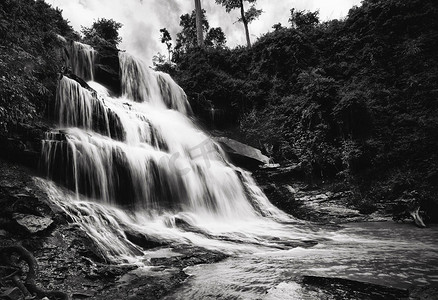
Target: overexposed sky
(142, 19)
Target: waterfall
(140, 84)
(81, 58)
(140, 159)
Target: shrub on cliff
(28, 59)
(103, 32)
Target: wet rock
(31, 223)
(108, 77)
(109, 271)
(86, 247)
(23, 146)
(79, 80)
(187, 226)
(190, 256)
(241, 154)
(340, 288)
(143, 240)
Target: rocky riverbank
(67, 260)
(332, 202)
(69, 263)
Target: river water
(384, 253)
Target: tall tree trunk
(245, 23)
(199, 30)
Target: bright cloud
(142, 19)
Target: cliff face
(107, 68)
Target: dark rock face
(107, 69)
(23, 146)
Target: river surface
(384, 253)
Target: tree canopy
(103, 31)
(186, 39)
(246, 17)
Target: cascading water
(81, 57)
(137, 166)
(139, 159)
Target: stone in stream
(340, 288)
(143, 240)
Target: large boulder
(241, 154)
(143, 240)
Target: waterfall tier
(81, 58)
(142, 153)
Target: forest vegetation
(351, 100)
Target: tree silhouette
(199, 31)
(166, 39)
(246, 17)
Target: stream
(384, 253)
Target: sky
(142, 19)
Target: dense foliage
(353, 99)
(102, 32)
(186, 39)
(28, 59)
